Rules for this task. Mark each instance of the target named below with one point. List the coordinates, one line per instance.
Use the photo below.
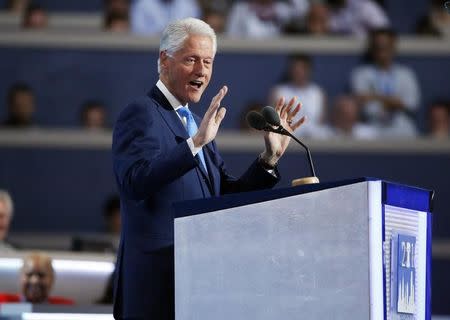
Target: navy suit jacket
(154, 167)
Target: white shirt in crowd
(254, 21)
(152, 16)
(358, 17)
(313, 106)
(400, 82)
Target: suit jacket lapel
(176, 126)
(168, 114)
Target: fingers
(220, 115)
(280, 104)
(293, 112)
(298, 123)
(285, 109)
(215, 102)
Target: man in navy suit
(163, 154)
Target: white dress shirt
(176, 105)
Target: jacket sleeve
(140, 164)
(254, 178)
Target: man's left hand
(276, 144)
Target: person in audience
(117, 22)
(93, 115)
(436, 22)
(36, 281)
(35, 17)
(6, 215)
(17, 6)
(216, 19)
(117, 6)
(316, 21)
(439, 119)
(150, 17)
(356, 17)
(388, 92)
(20, 105)
(346, 120)
(311, 95)
(111, 214)
(258, 18)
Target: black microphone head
(256, 120)
(271, 115)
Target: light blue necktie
(192, 129)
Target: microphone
(256, 121)
(271, 117)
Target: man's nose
(34, 279)
(200, 69)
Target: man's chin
(194, 98)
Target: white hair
(6, 199)
(177, 32)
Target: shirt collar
(169, 96)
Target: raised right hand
(211, 120)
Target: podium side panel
(300, 257)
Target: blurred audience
(436, 22)
(216, 19)
(258, 18)
(298, 83)
(151, 17)
(35, 17)
(6, 215)
(389, 92)
(316, 21)
(117, 22)
(93, 115)
(356, 17)
(439, 119)
(36, 282)
(111, 213)
(20, 105)
(345, 120)
(117, 6)
(17, 6)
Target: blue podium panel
(313, 252)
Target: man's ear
(163, 56)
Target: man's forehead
(196, 42)
(37, 263)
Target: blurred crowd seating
(69, 67)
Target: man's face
(23, 106)
(5, 219)
(300, 72)
(187, 73)
(383, 48)
(95, 118)
(37, 280)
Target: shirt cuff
(272, 172)
(193, 148)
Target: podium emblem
(406, 274)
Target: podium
(354, 249)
